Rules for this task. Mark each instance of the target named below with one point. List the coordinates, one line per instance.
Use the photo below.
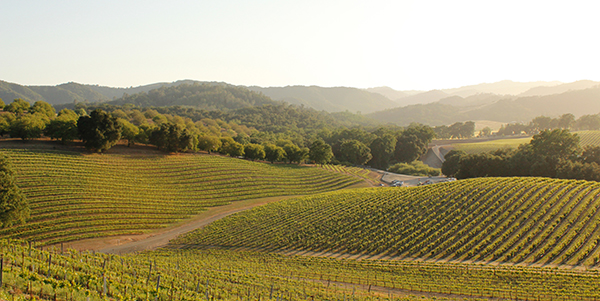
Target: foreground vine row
(217, 274)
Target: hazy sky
(401, 44)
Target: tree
(591, 154)
(274, 153)
(320, 152)
(556, 144)
(541, 123)
(588, 122)
(2, 104)
(14, 208)
(451, 163)
(412, 143)
(254, 151)
(231, 148)
(99, 131)
(566, 121)
(129, 131)
(44, 108)
(294, 153)
(5, 121)
(172, 138)
(486, 131)
(382, 149)
(28, 126)
(63, 127)
(355, 152)
(209, 143)
(18, 106)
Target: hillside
(65, 93)
(422, 98)
(519, 220)
(388, 92)
(430, 114)
(201, 96)
(549, 90)
(334, 99)
(505, 87)
(520, 109)
(75, 196)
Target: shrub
(415, 168)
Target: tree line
(100, 130)
(541, 123)
(551, 153)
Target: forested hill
(65, 93)
(577, 102)
(202, 96)
(70, 92)
(336, 99)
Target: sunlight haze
(405, 45)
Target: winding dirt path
(150, 241)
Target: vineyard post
(1, 268)
(157, 287)
(49, 263)
(149, 273)
(206, 289)
(104, 285)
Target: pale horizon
(404, 45)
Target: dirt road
(134, 243)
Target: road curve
(162, 238)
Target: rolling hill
(200, 96)
(518, 220)
(336, 99)
(389, 92)
(74, 196)
(510, 109)
(549, 90)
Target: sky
(406, 45)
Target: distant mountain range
(503, 101)
(494, 107)
(335, 99)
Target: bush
(415, 168)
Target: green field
(492, 145)
(75, 196)
(518, 220)
(587, 138)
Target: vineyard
(362, 173)
(74, 197)
(217, 274)
(591, 138)
(492, 145)
(517, 220)
(587, 138)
